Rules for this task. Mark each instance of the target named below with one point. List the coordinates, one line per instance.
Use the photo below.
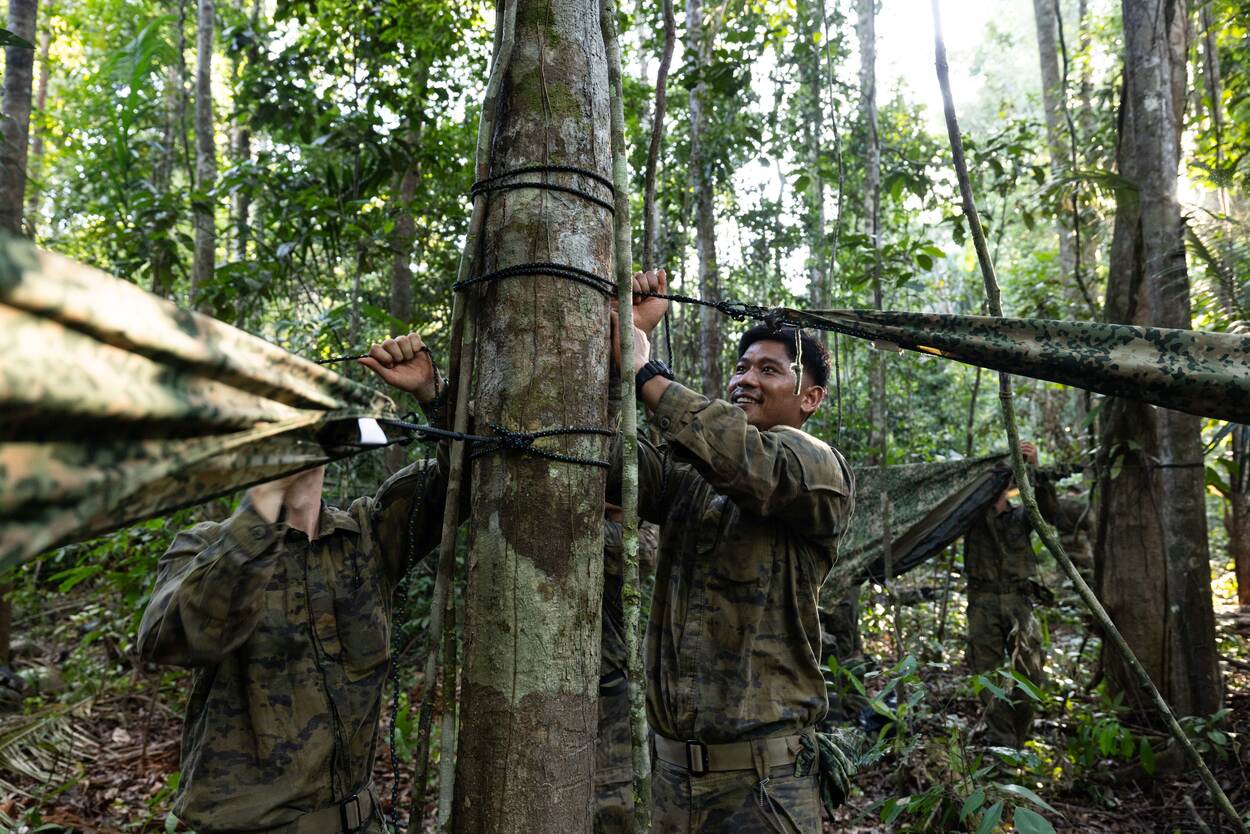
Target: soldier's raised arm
(782, 473)
(410, 502)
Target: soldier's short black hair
(815, 354)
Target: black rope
(505, 439)
(341, 359)
(500, 182)
(551, 270)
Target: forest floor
(101, 754)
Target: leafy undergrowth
(95, 748)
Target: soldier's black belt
(700, 758)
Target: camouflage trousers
(1002, 630)
(614, 771)
(733, 802)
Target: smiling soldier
(750, 509)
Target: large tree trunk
(35, 163)
(19, 65)
(703, 185)
(205, 159)
(531, 664)
(1152, 537)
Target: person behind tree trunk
(1003, 588)
(614, 770)
(751, 509)
(283, 612)
(1076, 523)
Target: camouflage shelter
(930, 506)
(117, 405)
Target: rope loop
(503, 182)
(545, 268)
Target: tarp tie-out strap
(504, 439)
(504, 182)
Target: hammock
(931, 505)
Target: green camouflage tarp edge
(1194, 371)
(118, 405)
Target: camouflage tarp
(116, 405)
(931, 505)
(1201, 373)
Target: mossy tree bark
(1154, 574)
(531, 665)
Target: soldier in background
(1003, 588)
(283, 611)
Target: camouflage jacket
(613, 656)
(749, 527)
(289, 641)
(998, 547)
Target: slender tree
(205, 158)
(1052, 105)
(35, 163)
(531, 657)
(19, 64)
(700, 34)
(15, 127)
(811, 81)
(866, 27)
(1154, 570)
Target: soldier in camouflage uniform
(750, 510)
(283, 611)
(1003, 588)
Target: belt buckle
(349, 813)
(696, 758)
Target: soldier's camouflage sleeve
(411, 500)
(783, 473)
(210, 587)
(653, 477)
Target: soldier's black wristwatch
(653, 368)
